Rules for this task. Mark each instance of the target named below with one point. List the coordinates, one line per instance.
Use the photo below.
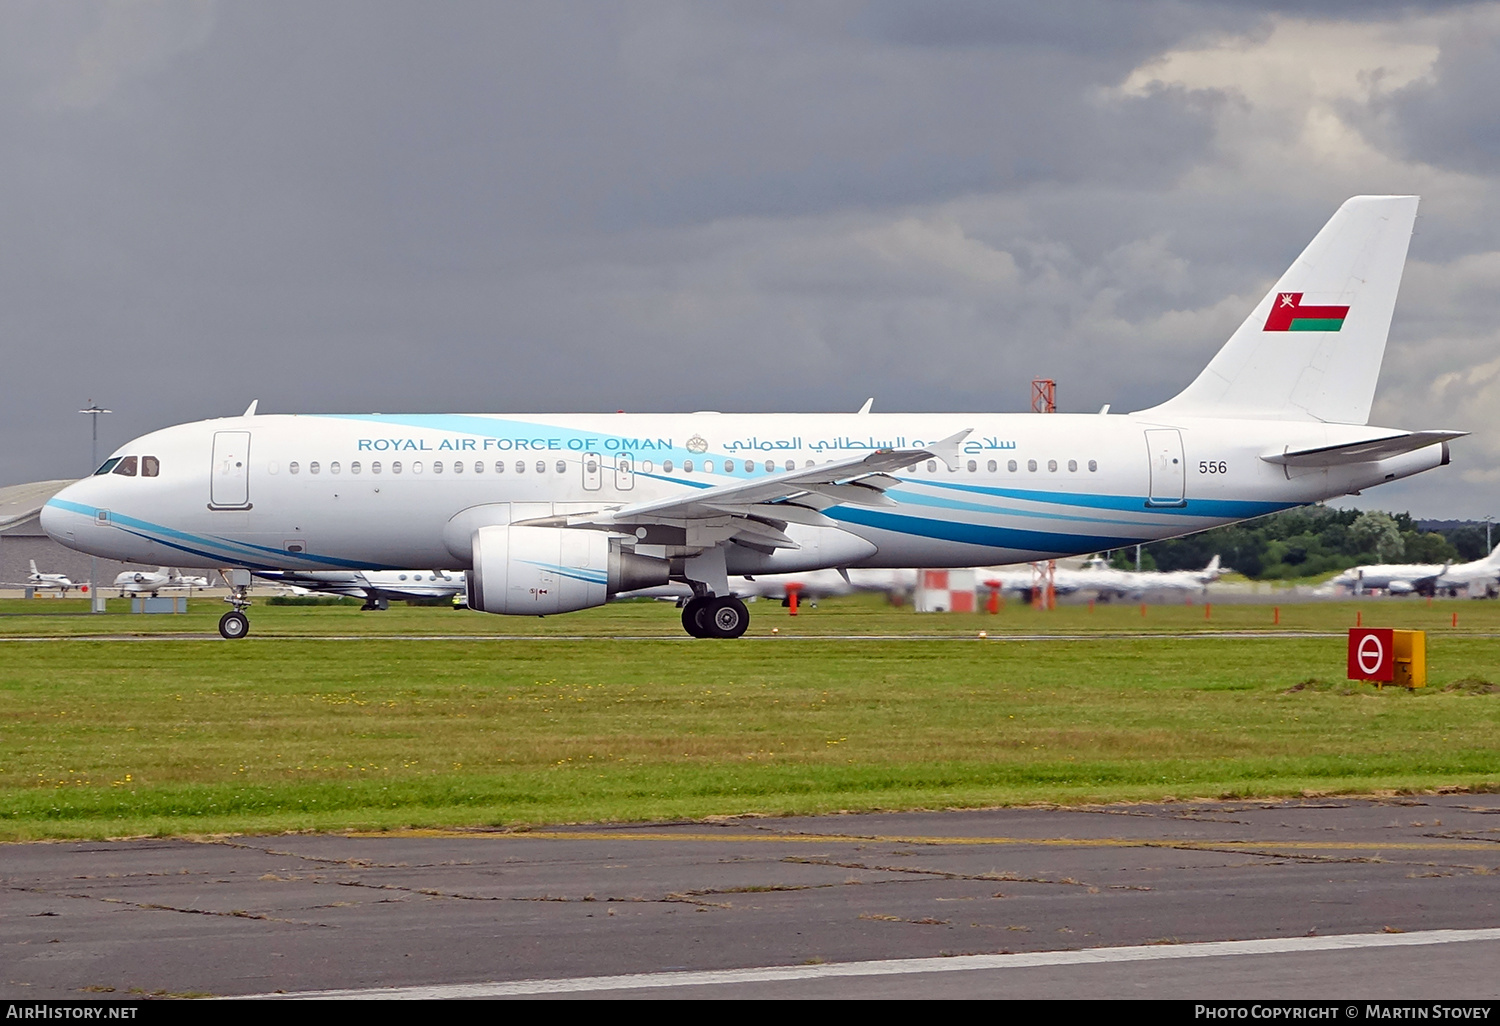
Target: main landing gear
(234, 624)
(715, 617)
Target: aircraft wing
(754, 509)
(1362, 452)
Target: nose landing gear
(234, 624)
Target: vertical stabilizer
(1311, 350)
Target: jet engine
(536, 571)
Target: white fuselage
(354, 492)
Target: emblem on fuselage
(697, 444)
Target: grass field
(329, 718)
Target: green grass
(859, 615)
(280, 732)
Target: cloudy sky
(659, 205)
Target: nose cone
(63, 512)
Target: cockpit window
(126, 467)
(109, 465)
(150, 466)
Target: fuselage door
(593, 471)
(229, 478)
(624, 472)
(1168, 471)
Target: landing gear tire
(727, 617)
(695, 617)
(234, 625)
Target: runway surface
(1356, 899)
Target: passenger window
(646, 467)
(150, 466)
(791, 464)
(395, 466)
(354, 467)
(687, 466)
(375, 466)
(273, 467)
(312, 468)
(1011, 466)
(1072, 466)
(1031, 465)
(708, 466)
(1093, 466)
(479, 466)
(666, 466)
(932, 466)
(458, 468)
(810, 463)
(416, 466)
(333, 468)
(541, 466)
(562, 467)
(126, 467)
(520, 466)
(1052, 466)
(109, 465)
(293, 467)
(991, 466)
(973, 466)
(499, 466)
(437, 466)
(728, 466)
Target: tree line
(1312, 541)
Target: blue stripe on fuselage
(975, 534)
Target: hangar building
(22, 539)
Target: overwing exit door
(1168, 470)
(229, 478)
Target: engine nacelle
(536, 571)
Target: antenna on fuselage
(250, 410)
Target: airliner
(1423, 578)
(547, 514)
(1108, 582)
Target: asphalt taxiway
(1374, 898)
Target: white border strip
(902, 966)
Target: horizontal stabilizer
(1367, 451)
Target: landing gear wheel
(695, 617)
(727, 617)
(234, 625)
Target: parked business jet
(551, 513)
(375, 587)
(142, 582)
(178, 581)
(48, 582)
(1423, 578)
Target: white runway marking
(906, 966)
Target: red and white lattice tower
(945, 591)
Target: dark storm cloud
(1450, 118)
